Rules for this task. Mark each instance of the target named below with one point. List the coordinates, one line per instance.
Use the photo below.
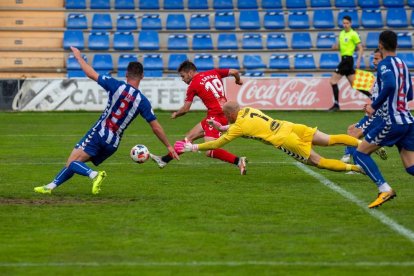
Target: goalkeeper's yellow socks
(343, 139)
(336, 165)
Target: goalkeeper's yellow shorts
(298, 143)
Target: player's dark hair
(388, 39)
(135, 70)
(347, 17)
(187, 66)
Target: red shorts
(210, 131)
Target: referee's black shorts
(346, 66)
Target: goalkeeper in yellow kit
(294, 139)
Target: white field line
(398, 228)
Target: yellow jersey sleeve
(232, 133)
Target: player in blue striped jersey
(125, 103)
(397, 128)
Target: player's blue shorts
(372, 122)
(407, 142)
(384, 134)
(94, 145)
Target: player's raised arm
(182, 111)
(89, 71)
(159, 132)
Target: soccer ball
(139, 153)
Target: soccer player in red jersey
(208, 86)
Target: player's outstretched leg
(343, 139)
(228, 157)
(64, 175)
(159, 160)
(338, 166)
(382, 198)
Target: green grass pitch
(197, 216)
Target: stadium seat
(408, 58)
(123, 61)
(410, 3)
(345, 4)
(247, 4)
(202, 42)
(253, 74)
(73, 38)
(98, 40)
(296, 4)
(396, 18)
(304, 61)
(272, 4)
(229, 61)
(126, 22)
(372, 40)
(393, 3)
(404, 40)
(174, 61)
(252, 41)
(249, 20)
(323, 19)
(227, 41)
(276, 41)
(362, 64)
(176, 22)
(173, 4)
(102, 63)
(328, 60)
(153, 73)
(152, 62)
(320, 3)
(148, 40)
(279, 61)
(279, 75)
(224, 20)
(350, 12)
(73, 67)
(298, 19)
(101, 21)
(76, 21)
(222, 5)
(253, 62)
(177, 42)
(412, 19)
(371, 4)
(151, 22)
(301, 40)
(325, 40)
(274, 20)
(198, 4)
(100, 4)
(371, 19)
(304, 75)
(124, 5)
(204, 62)
(123, 41)
(149, 4)
(75, 4)
(200, 22)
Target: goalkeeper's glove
(181, 146)
(217, 125)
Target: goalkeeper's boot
(382, 198)
(242, 165)
(158, 159)
(43, 190)
(346, 158)
(97, 182)
(382, 153)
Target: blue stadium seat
(371, 19)
(198, 4)
(253, 74)
(123, 61)
(298, 19)
(350, 12)
(404, 40)
(151, 22)
(253, 62)
(227, 41)
(229, 61)
(173, 4)
(76, 21)
(371, 4)
(396, 18)
(408, 58)
(124, 5)
(75, 4)
(152, 62)
(252, 41)
(345, 3)
(296, 4)
(73, 38)
(301, 40)
(304, 75)
(126, 22)
(320, 3)
(176, 22)
(249, 20)
(276, 41)
(393, 3)
(203, 62)
(323, 19)
(101, 21)
(279, 61)
(153, 73)
(372, 40)
(202, 42)
(100, 4)
(272, 4)
(224, 20)
(326, 75)
(149, 5)
(222, 4)
(371, 61)
(247, 4)
(279, 75)
(102, 63)
(200, 22)
(325, 40)
(177, 42)
(174, 61)
(328, 60)
(274, 20)
(98, 40)
(304, 61)
(148, 40)
(410, 3)
(73, 68)
(123, 41)
(362, 65)
(412, 19)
